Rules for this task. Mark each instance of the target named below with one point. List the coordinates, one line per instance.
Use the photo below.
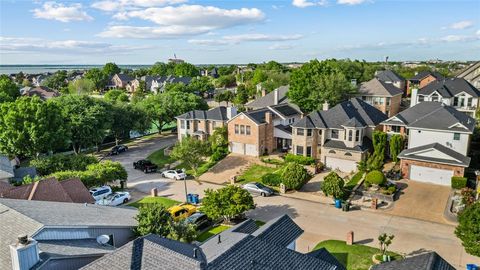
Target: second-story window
(247, 130)
(300, 132)
(309, 132)
(236, 129)
(469, 102)
(396, 129)
(456, 136)
(188, 124)
(334, 134)
(242, 129)
(350, 135)
(213, 124)
(357, 135)
(421, 98)
(182, 124)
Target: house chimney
(24, 253)
(275, 96)
(268, 117)
(231, 112)
(325, 106)
(194, 252)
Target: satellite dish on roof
(103, 239)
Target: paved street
(320, 221)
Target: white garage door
(431, 175)
(251, 150)
(237, 148)
(244, 149)
(340, 164)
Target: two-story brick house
(261, 131)
(120, 80)
(422, 79)
(201, 124)
(340, 137)
(438, 138)
(456, 92)
(384, 96)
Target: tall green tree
(396, 146)
(159, 69)
(182, 231)
(98, 77)
(191, 152)
(201, 85)
(316, 83)
(9, 91)
(30, 126)
(227, 202)
(186, 70)
(125, 118)
(153, 218)
(57, 81)
(241, 97)
(111, 69)
(116, 95)
(89, 120)
(81, 87)
(468, 230)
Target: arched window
(332, 152)
(348, 154)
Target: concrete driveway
(228, 167)
(421, 201)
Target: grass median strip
(153, 200)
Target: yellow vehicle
(182, 211)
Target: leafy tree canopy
(468, 230)
(98, 77)
(111, 69)
(191, 152)
(116, 95)
(333, 185)
(227, 203)
(9, 91)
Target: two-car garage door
(340, 164)
(244, 149)
(430, 175)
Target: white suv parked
(99, 193)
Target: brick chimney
(24, 253)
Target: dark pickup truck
(145, 165)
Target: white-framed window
(237, 128)
(334, 134)
(357, 135)
(456, 136)
(350, 135)
(300, 131)
(247, 130)
(242, 129)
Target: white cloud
(61, 12)
(460, 38)
(181, 20)
(307, 3)
(236, 39)
(111, 5)
(280, 47)
(351, 2)
(461, 25)
(29, 45)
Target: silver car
(258, 188)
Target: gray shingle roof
(366, 144)
(124, 77)
(423, 74)
(449, 88)
(269, 99)
(457, 159)
(375, 87)
(6, 168)
(433, 115)
(389, 76)
(340, 114)
(427, 261)
(218, 114)
(324, 255)
(279, 231)
(71, 247)
(151, 252)
(248, 227)
(286, 109)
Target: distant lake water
(36, 69)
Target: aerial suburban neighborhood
(239, 135)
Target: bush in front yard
(333, 185)
(459, 182)
(272, 179)
(50, 164)
(299, 159)
(375, 177)
(294, 176)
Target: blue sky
(146, 31)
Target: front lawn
(211, 232)
(159, 158)
(151, 200)
(354, 181)
(254, 174)
(354, 257)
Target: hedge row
(59, 162)
(459, 182)
(299, 159)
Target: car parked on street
(117, 149)
(145, 165)
(99, 193)
(174, 174)
(258, 188)
(199, 220)
(182, 211)
(114, 199)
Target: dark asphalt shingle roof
(286, 129)
(324, 255)
(269, 99)
(427, 261)
(423, 74)
(355, 108)
(124, 77)
(433, 115)
(218, 114)
(279, 231)
(248, 227)
(449, 88)
(366, 145)
(375, 87)
(389, 76)
(286, 109)
(415, 153)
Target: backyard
(353, 257)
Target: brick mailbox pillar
(374, 203)
(154, 192)
(350, 239)
(283, 189)
(233, 179)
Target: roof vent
(219, 239)
(103, 239)
(195, 253)
(23, 239)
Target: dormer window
(456, 136)
(334, 134)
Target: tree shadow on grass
(341, 258)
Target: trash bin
(338, 203)
(189, 198)
(195, 199)
(472, 266)
(346, 207)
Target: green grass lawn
(211, 232)
(254, 173)
(354, 181)
(159, 158)
(355, 257)
(151, 200)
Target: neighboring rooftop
(124, 77)
(389, 76)
(450, 88)
(376, 87)
(341, 114)
(423, 74)
(433, 115)
(217, 114)
(6, 168)
(269, 99)
(427, 261)
(42, 92)
(285, 110)
(444, 155)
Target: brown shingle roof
(71, 190)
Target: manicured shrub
(459, 182)
(51, 164)
(375, 177)
(294, 176)
(299, 159)
(333, 185)
(219, 154)
(272, 179)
